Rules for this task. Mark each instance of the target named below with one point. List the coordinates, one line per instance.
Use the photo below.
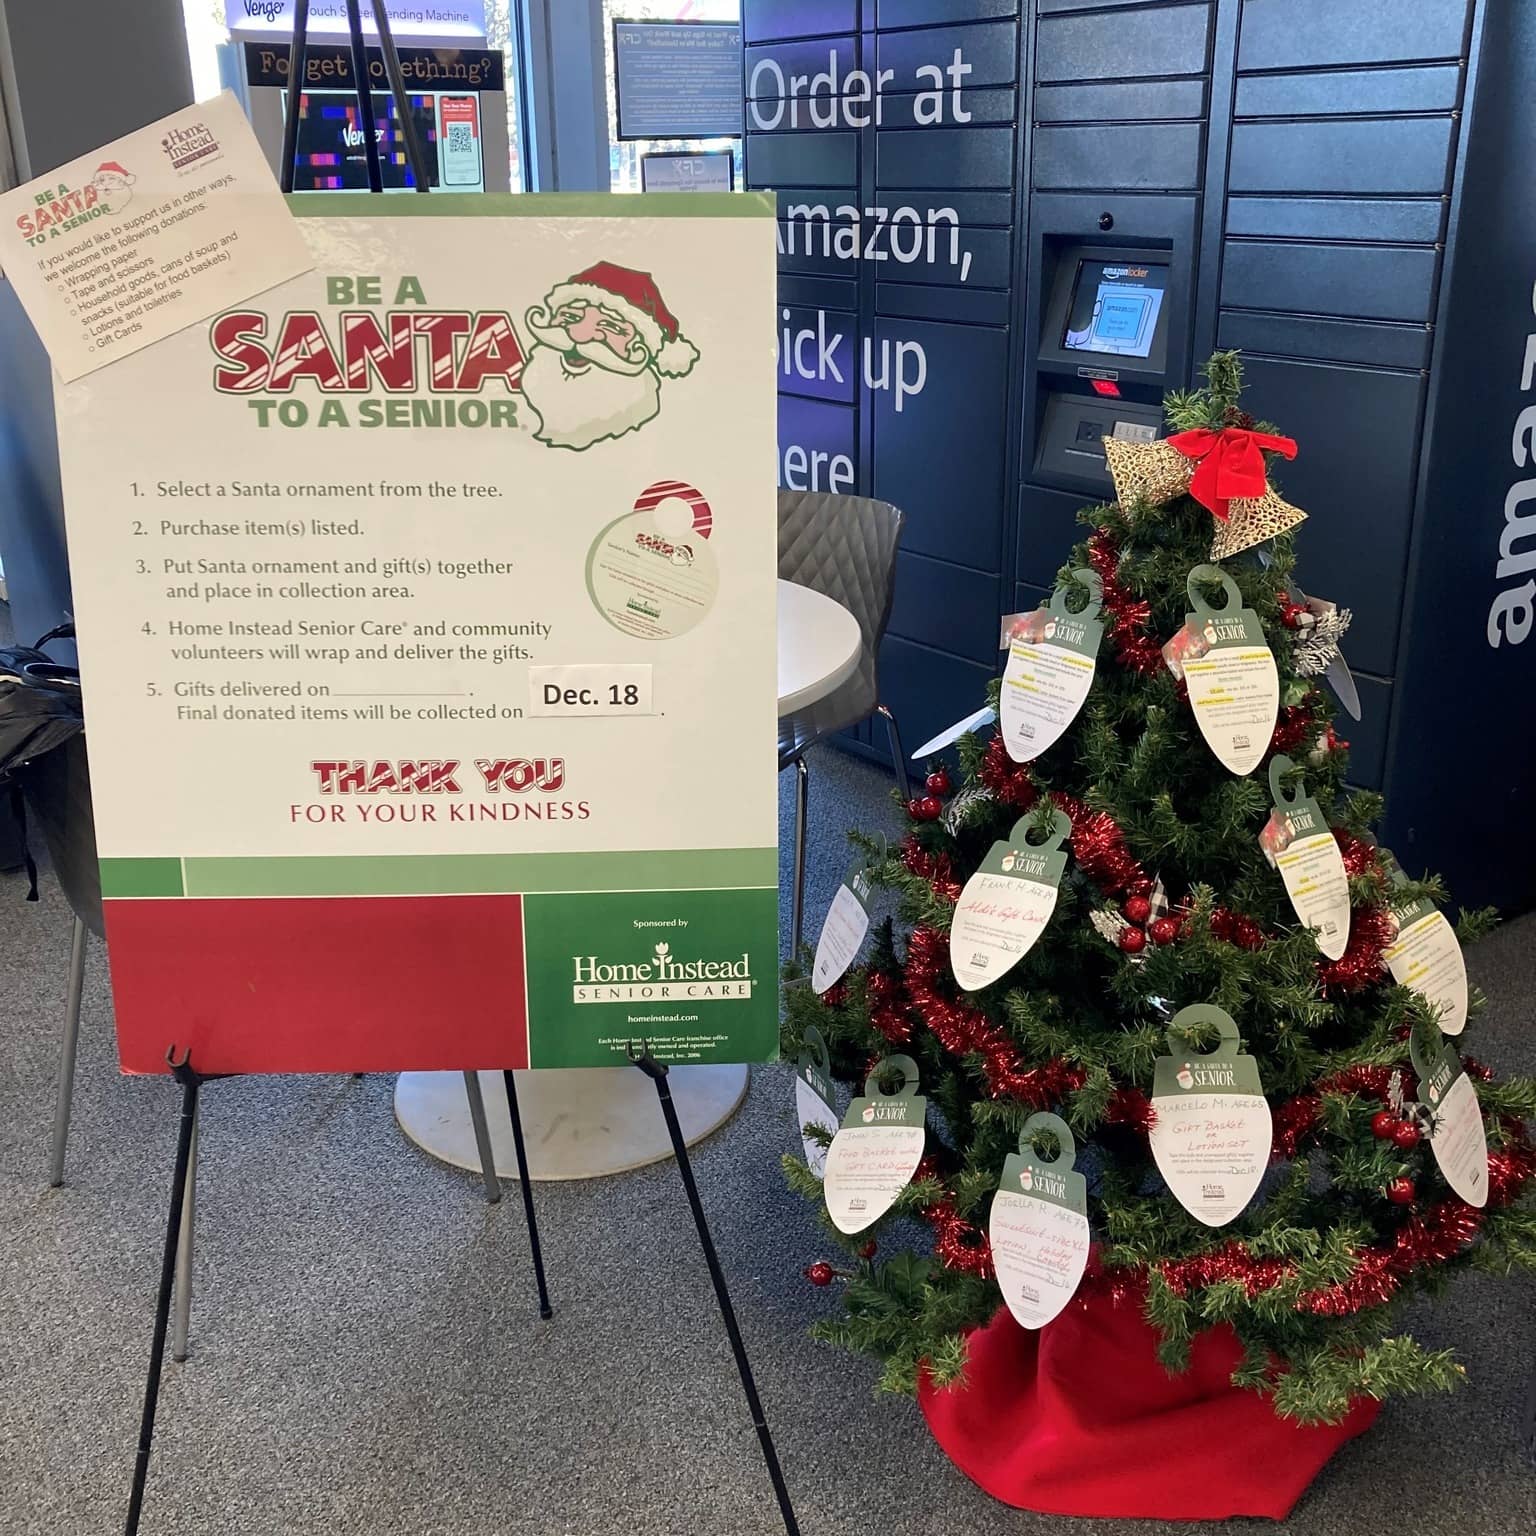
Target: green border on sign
(539, 205)
(449, 874)
(141, 877)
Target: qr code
(461, 139)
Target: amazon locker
(1006, 227)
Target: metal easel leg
(797, 895)
(415, 156)
(482, 1137)
(897, 755)
(545, 1310)
(657, 1072)
(182, 1329)
(1528, 1437)
(298, 55)
(190, 1083)
(364, 90)
(64, 1094)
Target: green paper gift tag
(1050, 670)
(874, 1155)
(1212, 1131)
(1426, 954)
(1039, 1225)
(1457, 1136)
(814, 1097)
(1006, 904)
(1298, 842)
(843, 932)
(1234, 685)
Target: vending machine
(458, 100)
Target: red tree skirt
(1081, 1419)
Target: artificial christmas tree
(1216, 995)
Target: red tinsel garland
(1363, 963)
(963, 1030)
(1008, 780)
(1440, 1233)
(1127, 617)
(959, 1244)
(1130, 1106)
(1360, 857)
(936, 868)
(1512, 1167)
(1098, 845)
(888, 1014)
(1299, 1117)
(1232, 1261)
(1292, 728)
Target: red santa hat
(635, 296)
(112, 168)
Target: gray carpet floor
(367, 1356)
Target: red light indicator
(1106, 387)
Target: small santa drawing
(113, 185)
(602, 343)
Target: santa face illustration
(602, 343)
(113, 186)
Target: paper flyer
(147, 236)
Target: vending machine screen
(331, 156)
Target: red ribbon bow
(1228, 463)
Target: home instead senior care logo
(189, 145)
(661, 978)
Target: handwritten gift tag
(1051, 659)
(1006, 904)
(1298, 841)
(874, 1155)
(1212, 1132)
(1426, 954)
(843, 932)
(1234, 685)
(1457, 1136)
(1039, 1225)
(814, 1098)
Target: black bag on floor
(40, 709)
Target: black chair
(845, 548)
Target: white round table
(819, 645)
(582, 1123)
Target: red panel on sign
(277, 984)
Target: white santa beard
(578, 409)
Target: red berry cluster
(930, 807)
(1386, 1126)
(1163, 930)
(1403, 1134)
